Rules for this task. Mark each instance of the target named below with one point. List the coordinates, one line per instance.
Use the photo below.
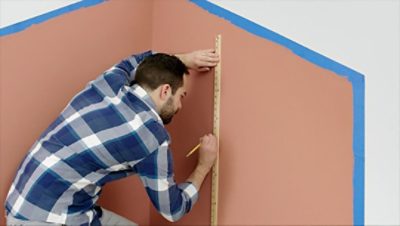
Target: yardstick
(216, 122)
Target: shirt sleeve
(171, 200)
(123, 73)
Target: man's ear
(165, 91)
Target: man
(112, 129)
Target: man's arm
(123, 73)
(157, 175)
(112, 80)
(171, 200)
(207, 156)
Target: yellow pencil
(193, 150)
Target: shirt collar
(143, 95)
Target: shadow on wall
(286, 124)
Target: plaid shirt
(108, 131)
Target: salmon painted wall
(44, 66)
(286, 123)
(286, 126)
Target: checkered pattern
(108, 131)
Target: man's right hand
(207, 155)
(208, 151)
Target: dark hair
(159, 69)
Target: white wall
(363, 35)
(14, 11)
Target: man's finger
(209, 50)
(205, 140)
(210, 59)
(203, 69)
(212, 54)
(207, 64)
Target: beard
(167, 111)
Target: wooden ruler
(216, 120)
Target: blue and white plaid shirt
(108, 131)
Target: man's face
(173, 105)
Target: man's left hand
(200, 60)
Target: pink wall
(286, 124)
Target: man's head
(162, 76)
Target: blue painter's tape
(358, 148)
(44, 17)
(356, 79)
